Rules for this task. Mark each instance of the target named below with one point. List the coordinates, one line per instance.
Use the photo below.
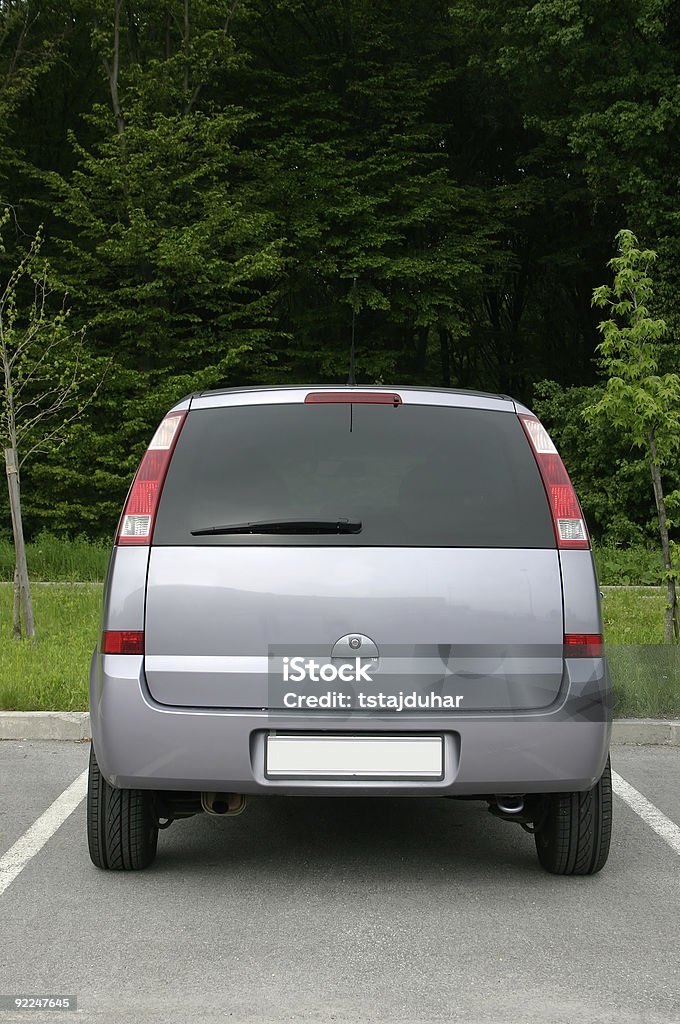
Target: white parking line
(33, 840)
(650, 814)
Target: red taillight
(137, 521)
(583, 645)
(123, 641)
(353, 397)
(570, 528)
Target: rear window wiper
(284, 526)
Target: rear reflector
(123, 641)
(137, 521)
(570, 528)
(583, 645)
(353, 397)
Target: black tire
(575, 834)
(122, 833)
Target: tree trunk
(422, 335)
(186, 50)
(445, 354)
(671, 621)
(112, 69)
(16, 606)
(21, 569)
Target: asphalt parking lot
(339, 910)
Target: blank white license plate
(366, 757)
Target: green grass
(51, 558)
(633, 616)
(53, 672)
(645, 671)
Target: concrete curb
(648, 731)
(45, 725)
(75, 725)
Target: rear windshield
(412, 475)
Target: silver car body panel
(125, 589)
(581, 593)
(213, 613)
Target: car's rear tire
(122, 832)
(574, 836)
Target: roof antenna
(352, 378)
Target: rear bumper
(142, 744)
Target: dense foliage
(212, 176)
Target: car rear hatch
(289, 526)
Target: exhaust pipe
(510, 804)
(223, 804)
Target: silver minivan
(337, 591)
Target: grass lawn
(52, 558)
(52, 673)
(645, 671)
(633, 616)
